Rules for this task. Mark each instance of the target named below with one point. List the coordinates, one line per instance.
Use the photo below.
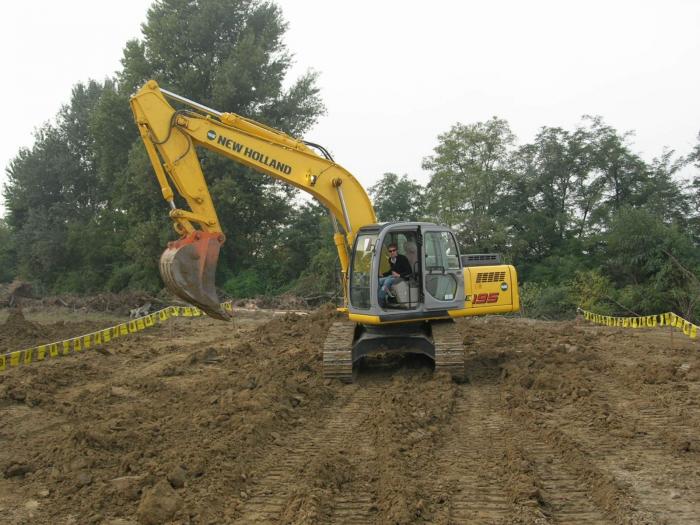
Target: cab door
(443, 278)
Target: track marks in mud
(288, 488)
(663, 482)
(556, 425)
(470, 457)
(652, 478)
(560, 493)
(497, 469)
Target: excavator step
(449, 349)
(337, 352)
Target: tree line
(584, 219)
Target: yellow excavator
(416, 314)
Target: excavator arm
(188, 265)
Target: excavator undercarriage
(347, 343)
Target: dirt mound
(16, 332)
(21, 293)
(211, 407)
(284, 302)
(16, 293)
(198, 421)
(118, 303)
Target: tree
(7, 254)
(556, 164)
(84, 200)
(308, 256)
(398, 198)
(661, 194)
(617, 173)
(469, 171)
(38, 205)
(646, 259)
(540, 205)
(694, 192)
(59, 206)
(228, 55)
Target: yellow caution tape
(100, 337)
(646, 321)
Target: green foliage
(636, 241)
(591, 291)
(398, 199)
(84, 201)
(247, 284)
(693, 193)
(143, 247)
(229, 55)
(8, 256)
(469, 172)
(299, 258)
(584, 219)
(556, 268)
(309, 233)
(529, 294)
(121, 278)
(655, 265)
(321, 279)
(577, 212)
(547, 301)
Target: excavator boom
(188, 265)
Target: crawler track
(337, 352)
(449, 350)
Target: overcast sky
(395, 74)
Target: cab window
(360, 270)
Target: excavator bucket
(188, 267)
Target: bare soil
(202, 422)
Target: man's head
(393, 249)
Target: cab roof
(376, 228)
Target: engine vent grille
(480, 259)
(490, 277)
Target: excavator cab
(434, 286)
(418, 319)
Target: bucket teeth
(188, 268)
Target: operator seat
(406, 290)
(411, 251)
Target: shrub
(246, 284)
(542, 301)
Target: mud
(203, 422)
(17, 332)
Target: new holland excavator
(418, 315)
